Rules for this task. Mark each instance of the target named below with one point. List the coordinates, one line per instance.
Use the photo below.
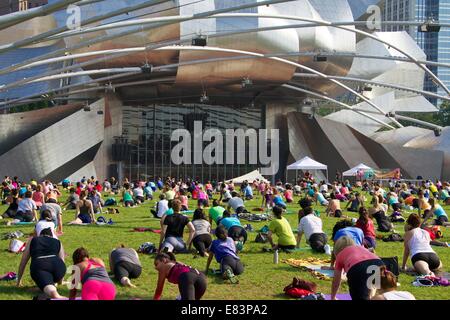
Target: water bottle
(275, 256)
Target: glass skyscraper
(435, 45)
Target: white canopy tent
(308, 164)
(354, 171)
(250, 177)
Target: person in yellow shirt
(281, 227)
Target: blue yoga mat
(342, 296)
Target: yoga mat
(342, 296)
(23, 223)
(77, 298)
(187, 212)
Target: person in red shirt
(365, 223)
(98, 187)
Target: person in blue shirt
(248, 192)
(278, 201)
(346, 228)
(438, 212)
(233, 227)
(153, 186)
(22, 191)
(160, 184)
(224, 249)
(148, 191)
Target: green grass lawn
(262, 279)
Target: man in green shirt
(281, 227)
(216, 212)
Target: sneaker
(327, 249)
(239, 245)
(229, 275)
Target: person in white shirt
(161, 206)
(45, 222)
(138, 194)
(311, 226)
(26, 210)
(388, 288)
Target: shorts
(441, 220)
(127, 269)
(85, 218)
(430, 258)
(141, 199)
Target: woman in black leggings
(191, 282)
(47, 263)
(224, 249)
(125, 264)
(202, 237)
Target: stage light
(147, 68)
(204, 98)
(199, 41)
(437, 132)
(246, 82)
(430, 25)
(320, 58)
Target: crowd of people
(419, 206)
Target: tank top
(98, 273)
(419, 242)
(44, 246)
(127, 196)
(177, 270)
(84, 209)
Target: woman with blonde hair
(358, 263)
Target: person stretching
(281, 227)
(417, 245)
(191, 282)
(96, 284)
(47, 263)
(224, 249)
(388, 288)
(125, 264)
(311, 226)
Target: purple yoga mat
(342, 296)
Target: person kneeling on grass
(365, 223)
(125, 264)
(311, 226)
(224, 249)
(358, 263)
(417, 245)
(234, 228)
(191, 282)
(281, 227)
(171, 237)
(96, 284)
(202, 237)
(47, 263)
(388, 288)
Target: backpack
(391, 264)
(147, 248)
(261, 238)
(394, 237)
(110, 202)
